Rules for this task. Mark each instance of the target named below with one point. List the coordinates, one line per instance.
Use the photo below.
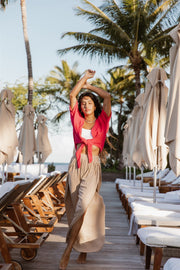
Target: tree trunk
(137, 81)
(136, 61)
(28, 52)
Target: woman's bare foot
(82, 258)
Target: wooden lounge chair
(50, 198)
(5, 266)
(40, 185)
(156, 240)
(40, 218)
(18, 215)
(20, 237)
(57, 189)
(159, 218)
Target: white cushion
(163, 173)
(160, 236)
(125, 181)
(169, 177)
(145, 193)
(137, 188)
(176, 181)
(157, 218)
(147, 174)
(138, 205)
(6, 187)
(172, 264)
(172, 195)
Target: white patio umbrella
(8, 135)
(151, 137)
(137, 121)
(137, 116)
(124, 152)
(43, 144)
(126, 147)
(172, 131)
(27, 142)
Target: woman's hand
(82, 83)
(89, 74)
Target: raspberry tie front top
(98, 131)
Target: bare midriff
(95, 150)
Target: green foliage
(20, 96)
(136, 31)
(58, 86)
(51, 167)
(111, 165)
(19, 100)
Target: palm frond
(165, 18)
(83, 37)
(100, 18)
(59, 116)
(108, 52)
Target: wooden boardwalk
(119, 252)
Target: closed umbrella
(151, 137)
(137, 121)
(126, 147)
(172, 131)
(43, 144)
(137, 116)
(124, 152)
(27, 142)
(8, 135)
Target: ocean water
(62, 167)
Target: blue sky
(46, 21)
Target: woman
(84, 206)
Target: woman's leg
(82, 258)
(71, 239)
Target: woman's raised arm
(103, 94)
(76, 89)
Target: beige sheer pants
(82, 197)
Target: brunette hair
(94, 99)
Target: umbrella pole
(134, 175)
(155, 181)
(3, 176)
(126, 172)
(39, 168)
(129, 173)
(39, 162)
(155, 177)
(141, 178)
(26, 172)
(6, 174)
(159, 164)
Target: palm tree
(28, 51)
(59, 84)
(133, 30)
(3, 4)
